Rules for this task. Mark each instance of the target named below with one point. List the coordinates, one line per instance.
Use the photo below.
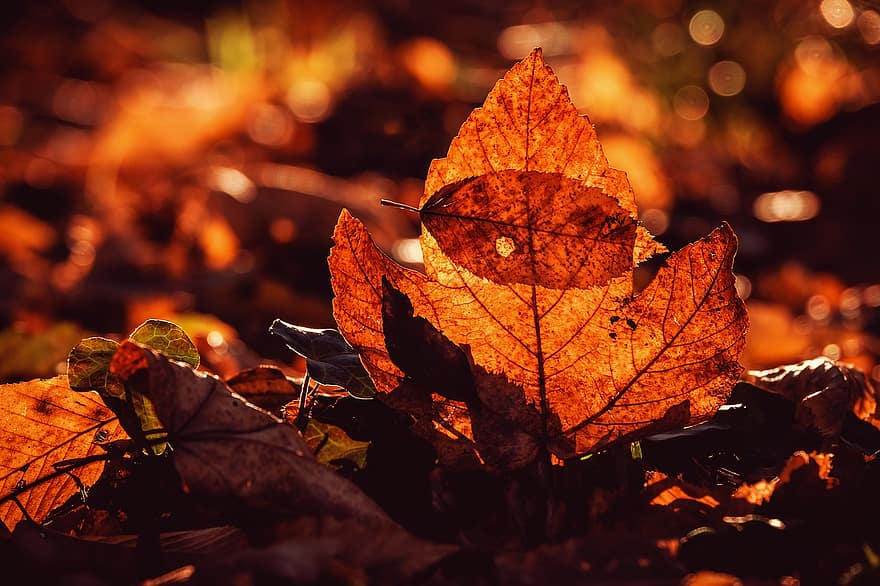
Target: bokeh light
(727, 78)
(691, 102)
(407, 250)
(786, 206)
(706, 27)
(837, 13)
(869, 26)
(309, 99)
(430, 62)
(668, 39)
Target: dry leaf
(594, 363)
(528, 123)
(227, 449)
(823, 390)
(265, 386)
(45, 422)
(532, 227)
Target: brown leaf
(45, 422)
(602, 361)
(228, 449)
(594, 362)
(532, 227)
(265, 386)
(528, 123)
(823, 390)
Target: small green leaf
(88, 367)
(331, 444)
(330, 360)
(167, 338)
(154, 433)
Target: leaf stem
(302, 417)
(397, 204)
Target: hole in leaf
(505, 246)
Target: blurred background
(188, 160)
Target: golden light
(282, 230)
(408, 250)
(837, 13)
(869, 26)
(232, 182)
(743, 286)
(655, 220)
(706, 27)
(832, 351)
(309, 99)
(270, 125)
(786, 206)
(668, 39)
(515, 42)
(430, 62)
(215, 339)
(818, 307)
(727, 78)
(691, 102)
(815, 56)
(645, 173)
(871, 295)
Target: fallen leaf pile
(517, 414)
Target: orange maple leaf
(529, 242)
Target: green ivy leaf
(331, 444)
(168, 339)
(88, 367)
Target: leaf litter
(509, 415)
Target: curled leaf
(330, 359)
(824, 392)
(228, 449)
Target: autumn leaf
(225, 448)
(532, 227)
(528, 123)
(46, 423)
(595, 363)
(824, 392)
(265, 386)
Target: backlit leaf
(528, 123)
(88, 367)
(331, 445)
(594, 362)
(46, 423)
(532, 227)
(169, 339)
